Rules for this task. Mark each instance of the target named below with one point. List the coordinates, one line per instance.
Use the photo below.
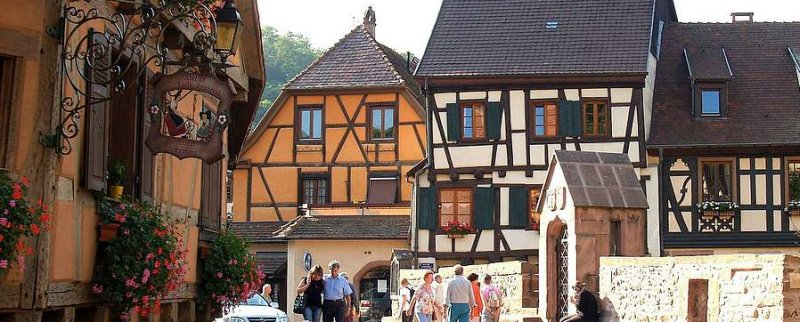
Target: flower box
(455, 229)
(108, 232)
(793, 208)
(454, 236)
(717, 208)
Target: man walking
(336, 294)
(460, 297)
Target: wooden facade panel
(753, 220)
(87, 242)
(745, 197)
(339, 180)
(240, 194)
(760, 198)
(187, 173)
(777, 195)
(283, 183)
(264, 214)
(358, 184)
(258, 192)
(63, 237)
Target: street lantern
(228, 24)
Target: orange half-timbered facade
(333, 147)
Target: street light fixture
(228, 24)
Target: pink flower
(12, 203)
(119, 218)
(149, 256)
(145, 299)
(97, 289)
(219, 274)
(4, 264)
(128, 294)
(145, 275)
(130, 283)
(4, 221)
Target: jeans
(459, 312)
(312, 313)
(422, 317)
(488, 317)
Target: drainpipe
(660, 202)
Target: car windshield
(256, 299)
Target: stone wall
(517, 280)
(742, 287)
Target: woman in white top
(405, 301)
(438, 298)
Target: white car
(256, 309)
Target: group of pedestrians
(330, 297)
(461, 300)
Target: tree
(285, 55)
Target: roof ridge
(289, 227)
(378, 46)
(734, 24)
(321, 57)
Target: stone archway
(369, 281)
(557, 297)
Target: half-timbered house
(726, 137)
(329, 156)
(507, 83)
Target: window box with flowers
(144, 263)
(230, 274)
(455, 229)
(19, 218)
(718, 208)
(793, 208)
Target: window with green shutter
(426, 208)
(494, 117)
(518, 207)
(484, 208)
(569, 118)
(453, 119)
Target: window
(595, 118)
(455, 205)
(382, 189)
(473, 125)
(717, 181)
(616, 238)
(310, 123)
(794, 180)
(382, 123)
(6, 94)
(544, 119)
(533, 199)
(229, 186)
(314, 190)
(710, 102)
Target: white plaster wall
(518, 105)
(472, 95)
(572, 94)
(442, 99)
(439, 159)
(611, 147)
(486, 243)
(518, 177)
(504, 202)
(594, 92)
(471, 156)
(537, 155)
(544, 94)
(653, 218)
(518, 148)
(438, 137)
(521, 239)
(494, 96)
(753, 220)
(619, 121)
(744, 193)
(621, 95)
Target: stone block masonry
(725, 288)
(518, 280)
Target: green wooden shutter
(484, 208)
(518, 207)
(569, 118)
(453, 121)
(426, 208)
(494, 117)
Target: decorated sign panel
(190, 112)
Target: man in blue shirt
(336, 294)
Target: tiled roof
(348, 227)
(258, 232)
(763, 96)
(541, 37)
(596, 179)
(356, 61)
(708, 64)
(271, 261)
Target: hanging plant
(19, 217)
(144, 263)
(230, 275)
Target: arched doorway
(557, 268)
(374, 295)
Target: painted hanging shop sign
(189, 114)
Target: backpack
(494, 298)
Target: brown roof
(596, 179)
(763, 96)
(271, 262)
(258, 232)
(348, 227)
(708, 64)
(542, 37)
(356, 61)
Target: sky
(405, 25)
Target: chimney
(369, 21)
(741, 17)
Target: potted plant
(19, 217)
(110, 219)
(144, 264)
(455, 229)
(116, 179)
(717, 208)
(230, 274)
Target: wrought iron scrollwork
(126, 41)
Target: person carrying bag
(309, 295)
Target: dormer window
(710, 99)
(710, 70)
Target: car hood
(256, 311)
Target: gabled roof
(541, 37)
(356, 61)
(763, 97)
(708, 63)
(596, 179)
(258, 232)
(347, 227)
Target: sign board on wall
(427, 263)
(307, 261)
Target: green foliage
(144, 263)
(231, 274)
(285, 55)
(117, 173)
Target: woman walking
(311, 287)
(423, 299)
(405, 301)
(477, 310)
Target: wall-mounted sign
(189, 113)
(425, 265)
(307, 261)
